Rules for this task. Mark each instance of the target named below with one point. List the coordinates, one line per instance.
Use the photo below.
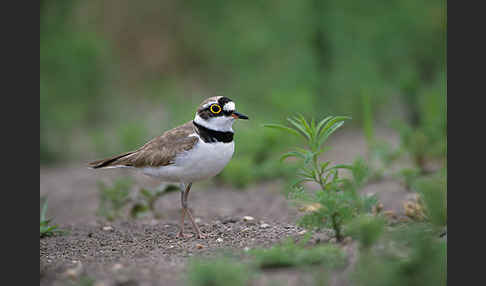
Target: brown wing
(160, 151)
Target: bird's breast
(205, 160)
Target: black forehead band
(223, 100)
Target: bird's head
(218, 113)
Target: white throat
(220, 123)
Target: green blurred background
(114, 74)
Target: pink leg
(181, 231)
(185, 210)
(199, 234)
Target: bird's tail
(108, 162)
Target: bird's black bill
(238, 115)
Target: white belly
(204, 161)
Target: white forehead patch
(229, 106)
(209, 104)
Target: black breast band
(213, 136)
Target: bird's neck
(219, 123)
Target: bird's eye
(215, 108)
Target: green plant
(148, 199)
(337, 197)
(291, 254)
(217, 272)
(45, 228)
(433, 193)
(367, 229)
(416, 143)
(113, 199)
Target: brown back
(160, 151)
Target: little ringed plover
(192, 152)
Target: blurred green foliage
(325, 53)
(291, 254)
(72, 78)
(433, 192)
(410, 256)
(367, 229)
(217, 272)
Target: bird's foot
(201, 236)
(182, 235)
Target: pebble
(199, 246)
(264, 225)
(246, 249)
(219, 240)
(302, 232)
(230, 220)
(117, 267)
(248, 218)
(74, 272)
(107, 228)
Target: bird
(192, 152)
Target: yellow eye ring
(218, 108)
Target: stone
(264, 225)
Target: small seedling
(113, 199)
(337, 196)
(45, 228)
(418, 144)
(148, 199)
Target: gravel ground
(147, 252)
